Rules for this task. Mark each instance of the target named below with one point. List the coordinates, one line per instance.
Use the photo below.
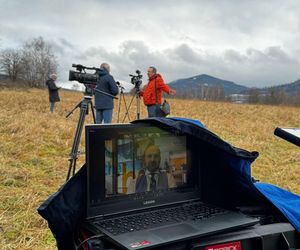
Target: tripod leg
(93, 112)
(137, 107)
(73, 173)
(72, 166)
(74, 151)
(119, 108)
(69, 170)
(128, 108)
(77, 105)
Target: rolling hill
(289, 88)
(202, 81)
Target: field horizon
(35, 146)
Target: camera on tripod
(88, 79)
(136, 80)
(90, 82)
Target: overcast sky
(253, 43)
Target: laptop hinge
(142, 209)
(97, 217)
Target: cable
(92, 237)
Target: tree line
(31, 64)
(272, 96)
(203, 92)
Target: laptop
(144, 187)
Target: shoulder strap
(156, 98)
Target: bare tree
(215, 93)
(38, 61)
(276, 96)
(10, 63)
(254, 95)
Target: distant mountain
(200, 82)
(289, 88)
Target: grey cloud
(62, 46)
(246, 41)
(270, 55)
(135, 50)
(249, 67)
(234, 56)
(255, 55)
(187, 54)
(66, 43)
(276, 53)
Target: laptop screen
(136, 166)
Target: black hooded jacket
(53, 91)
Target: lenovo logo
(227, 246)
(149, 202)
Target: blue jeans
(52, 104)
(104, 115)
(153, 111)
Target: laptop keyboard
(145, 220)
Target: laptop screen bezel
(96, 135)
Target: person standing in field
(152, 92)
(53, 91)
(104, 104)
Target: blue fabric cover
(287, 202)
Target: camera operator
(104, 104)
(149, 93)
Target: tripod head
(136, 80)
(120, 86)
(89, 90)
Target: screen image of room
(125, 161)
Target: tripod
(137, 98)
(84, 108)
(122, 97)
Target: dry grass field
(35, 146)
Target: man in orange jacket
(149, 94)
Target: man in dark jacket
(53, 91)
(104, 104)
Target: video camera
(82, 76)
(89, 80)
(136, 80)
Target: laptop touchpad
(174, 231)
